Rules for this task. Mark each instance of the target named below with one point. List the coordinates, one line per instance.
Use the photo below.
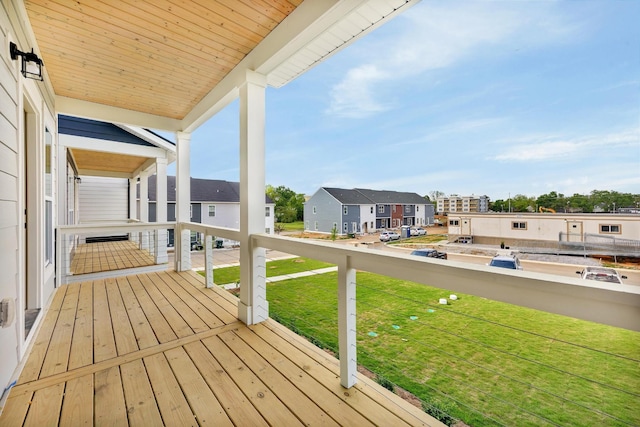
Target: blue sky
(463, 97)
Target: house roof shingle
(202, 190)
(363, 196)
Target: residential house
(455, 203)
(360, 210)
(129, 349)
(213, 202)
(98, 162)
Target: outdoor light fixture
(31, 64)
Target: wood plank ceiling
(155, 56)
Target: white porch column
(252, 307)
(133, 211)
(182, 238)
(161, 210)
(144, 207)
(347, 323)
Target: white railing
(609, 304)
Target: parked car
(429, 253)
(418, 231)
(387, 236)
(506, 261)
(601, 274)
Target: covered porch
(162, 349)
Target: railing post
(208, 260)
(347, 323)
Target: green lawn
(222, 276)
(292, 226)
(497, 364)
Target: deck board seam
(41, 383)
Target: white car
(601, 274)
(418, 231)
(387, 236)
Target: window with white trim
(314, 210)
(345, 210)
(380, 208)
(371, 209)
(407, 208)
(315, 225)
(345, 227)
(267, 211)
(454, 222)
(212, 210)
(517, 225)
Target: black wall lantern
(31, 64)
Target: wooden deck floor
(108, 256)
(161, 349)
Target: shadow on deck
(161, 349)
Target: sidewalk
(289, 276)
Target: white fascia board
(101, 145)
(298, 28)
(107, 113)
(345, 11)
(148, 136)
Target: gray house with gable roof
(213, 202)
(359, 210)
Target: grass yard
(487, 363)
(292, 226)
(222, 276)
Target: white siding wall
(228, 215)
(103, 199)
(9, 203)
(367, 217)
(18, 94)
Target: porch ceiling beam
(110, 114)
(107, 174)
(146, 167)
(114, 147)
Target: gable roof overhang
(172, 65)
(105, 149)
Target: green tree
(498, 206)
(433, 195)
(289, 204)
(522, 203)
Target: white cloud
(438, 35)
(541, 150)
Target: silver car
(387, 236)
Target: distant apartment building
(455, 203)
